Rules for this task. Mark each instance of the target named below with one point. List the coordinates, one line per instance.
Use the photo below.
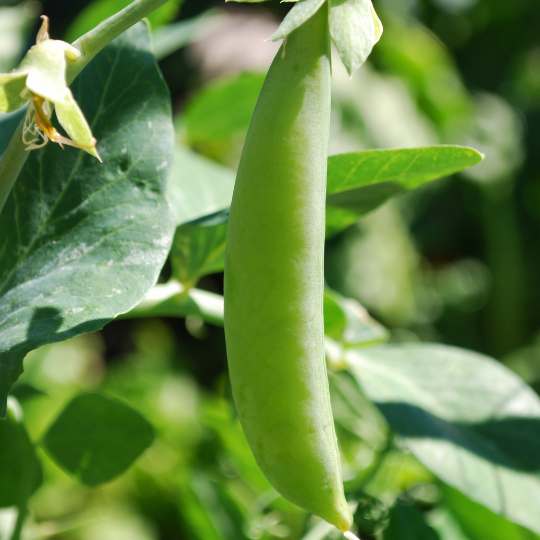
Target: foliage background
(456, 262)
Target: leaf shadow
(512, 442)
(42, 329)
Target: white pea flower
(41, 79)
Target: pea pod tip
(350, 536)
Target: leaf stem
(173, 300)
(96, 39)
(90, 44)
(21, 516)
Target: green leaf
(222, 109)
(355, 28)
(99, 10)
(360, 182)
(97, 438)
(465, 417)
(354, 326)
(477, 522)
(299, 14)
(25, 392)
(198, 186)
(198, 251)
(407, 523)
(82, 241)
(20, 471)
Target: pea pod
(274, 279)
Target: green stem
(173, 300)
(11, 163)
(90, 44)
(16, 535)
(505, 311)
(96, 39)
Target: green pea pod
(274, 279)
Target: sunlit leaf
(360, 182)
(355, 28)
(465, 417)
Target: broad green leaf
(465, 417)
(197, 251)
(96, 438)
(477, 522)
(197, 186)
(222, 109)
(299, 14)
(407, 523)
(99, 10)
(355, 28)
(20, 471)
(360, 182)
(85, 241)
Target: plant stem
(173, 300)
(21, 516)
(96, 39)
(11, 163)
(90, 44)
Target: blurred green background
(455, 262)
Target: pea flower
(41, 79)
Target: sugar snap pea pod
(274, 279)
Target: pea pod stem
(15, 156)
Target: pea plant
(90, 218)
